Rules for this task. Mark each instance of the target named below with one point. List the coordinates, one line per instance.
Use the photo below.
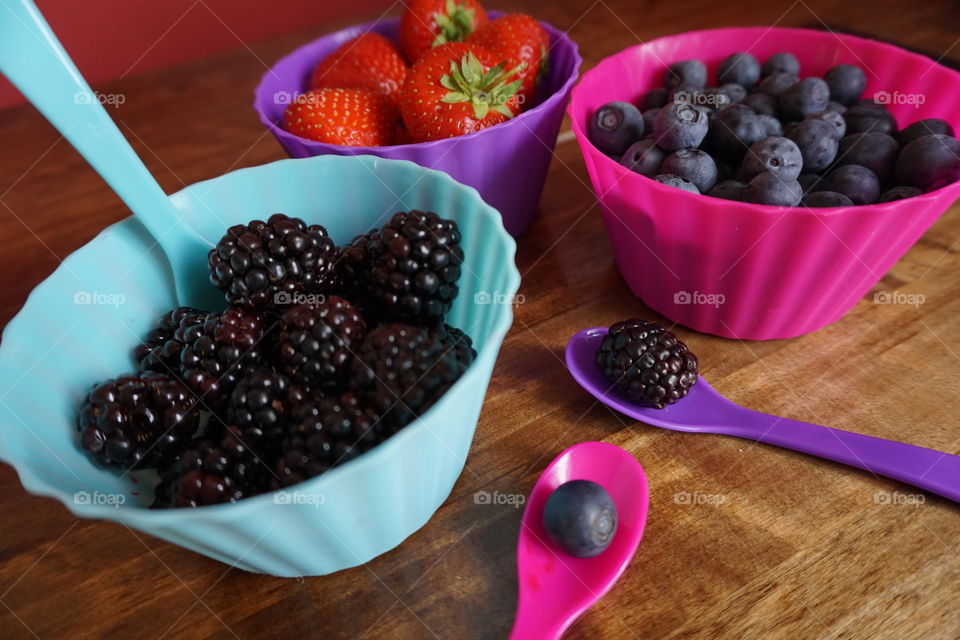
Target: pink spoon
(555, 588)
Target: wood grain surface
(744, 541)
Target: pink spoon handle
(534, 623)
(927, 469)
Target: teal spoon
(34, 60)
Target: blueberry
(648, 117)
(715, 98)
(654, 99)
(922, 128)
(778, 155)
(643, 157)
(875, 151)
(734, 130)
(809, 181)
(856, 182)
(869, 117)
(677, 182)
(690, 72)
(728, 190)
(724, 170)
(741, 68)
(826, 199)
(762, 104)
(783, 62)
(817, 143)
(692, 165)
(771, 125)
(580, 518)
(836, 106)
(899, 193)
(846, 82)
(768, 188)
(835, 120)
(614, 127)
(929, 162)
(736, 92)
(777, 83)
(679, 126)
(804, 97)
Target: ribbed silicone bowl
(80, 324)
(507, 163)
(753, 271)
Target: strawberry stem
(456, 23)
(485, 90)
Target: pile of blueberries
(767, 136)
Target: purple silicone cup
(507, 163)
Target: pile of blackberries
(322, 354)
(765, 135)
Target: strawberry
(457, 88)
(519, 39)
(369, 61)
(351, 117)
(428, 23)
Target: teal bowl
(80, 325)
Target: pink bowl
(750, 271)
(507, 163)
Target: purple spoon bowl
(555, 588)
(703, 410)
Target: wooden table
(787, 547)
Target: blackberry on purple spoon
(647, 363)
(137, 420)
(268, 264)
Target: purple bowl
(507, 163)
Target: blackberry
(314, 343)
(160, 351)
(216, 352)
(402, 370)
(413, 265)
(259, 407)
(211, 471)
(137, 420)
(269, 264)
(647, 362)
(325, 432)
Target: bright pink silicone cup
(507, 163)
(752, 271)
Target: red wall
(109, 39)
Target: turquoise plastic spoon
(33, 59)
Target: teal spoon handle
(33, 59)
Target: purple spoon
(555, 589)
(703, 410)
